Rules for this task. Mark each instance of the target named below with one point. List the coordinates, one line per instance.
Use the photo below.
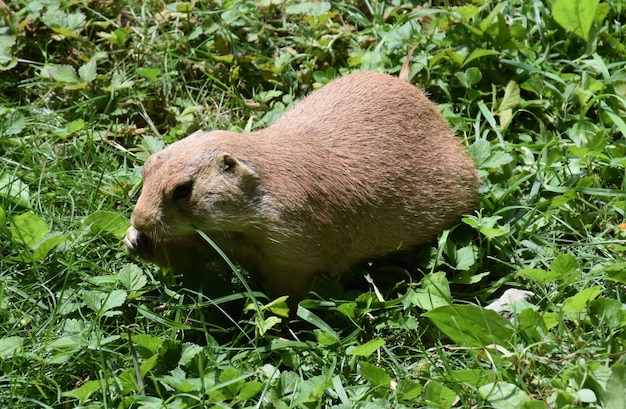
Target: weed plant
(535, 89)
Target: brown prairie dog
(358, 169)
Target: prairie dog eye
(182, 191)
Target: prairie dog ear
(229, 164)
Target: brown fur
(360, 168)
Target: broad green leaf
(309, 8)
(503, 395)
(435, 292)
(368, 348)
(509, 102)
(469, 77)
(265, 324)
(14, 190)
(564, 265)
(538, 275)
(470, 325)
(489, 156)
(149, 342)
(132, 277)
(575, 15)
(9, 346)
(348, 309)
(103, 302)
(51, 241)
(577, 303)
(149, 73)
(465, 257)
(169, 354)
(474, 377)
(586, 395)
(614, 396)
(426, 300)
(60, 73)
(7, 60)
(190, 350)
(152, 144)
(439, 396)
(617, 273)
(249, 390)
(83, 392)
(532, 324)
(408, 390)
(278, 306)
(28, 228)
(88, 71)
(374, 375)
(75, 126)
(534, 404)
(104, 222)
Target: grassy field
(535, 89)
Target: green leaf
(88, 72)
(169, 353)
(104, 222)
(374, 375)
(534, 404)
(132, 277)
(60, 73)
(435, 292)
(75, 126)
(3, 219)
(489, 156)
(408, 390)
(83, 392)
(7, 60)
(538, 275)
(9, 346)
(309, 8)
(564, 265)
(465, 257)
(575, 15)
(149, 342)
(475, 54)
(577, 303)
(473, 377)
(439, 396)
(614, 396)
(51, 241)
(509, 102)
(470, 325)
(249, 390)
(437, 284)
(14, 190)
(278, 306)
(149, 73)
(28, 228)
(503, 395)
(152, 144)
(469, 77)
(368, 348)
(103, 302)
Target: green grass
(536, 91)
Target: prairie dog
(360, 168)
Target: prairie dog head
(194, 184)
